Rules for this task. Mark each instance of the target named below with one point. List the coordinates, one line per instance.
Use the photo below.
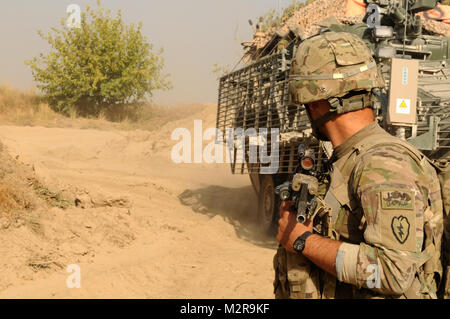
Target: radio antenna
(404, 30)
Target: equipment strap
(336, 76)
(344, 105)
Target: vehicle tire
(268, 204)
(256, 182)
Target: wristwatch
(299, 243)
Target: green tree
(101, 65)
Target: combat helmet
(337, 67)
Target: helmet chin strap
(339, 106)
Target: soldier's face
(318, 108)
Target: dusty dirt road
(187, 231)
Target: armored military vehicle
(414, 106)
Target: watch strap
(302, 239)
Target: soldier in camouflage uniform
(385, 199)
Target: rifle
(303, 190)
(296, 276)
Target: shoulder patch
(398, 230)
(398, 200)
(400, 227)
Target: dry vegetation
(20, 189)
(29, 109)
(17, 194)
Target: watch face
(299, 244)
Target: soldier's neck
(346, 125)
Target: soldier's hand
(289, 229)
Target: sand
(142, 226)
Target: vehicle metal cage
(257, 97)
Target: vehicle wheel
(256, 182)
(268, 204)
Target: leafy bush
(102, 65)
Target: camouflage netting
(305, 21)
(436, 27)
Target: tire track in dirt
(192, 225)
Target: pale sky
(195, 35)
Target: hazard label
(403, 106)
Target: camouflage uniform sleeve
(387, 184)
